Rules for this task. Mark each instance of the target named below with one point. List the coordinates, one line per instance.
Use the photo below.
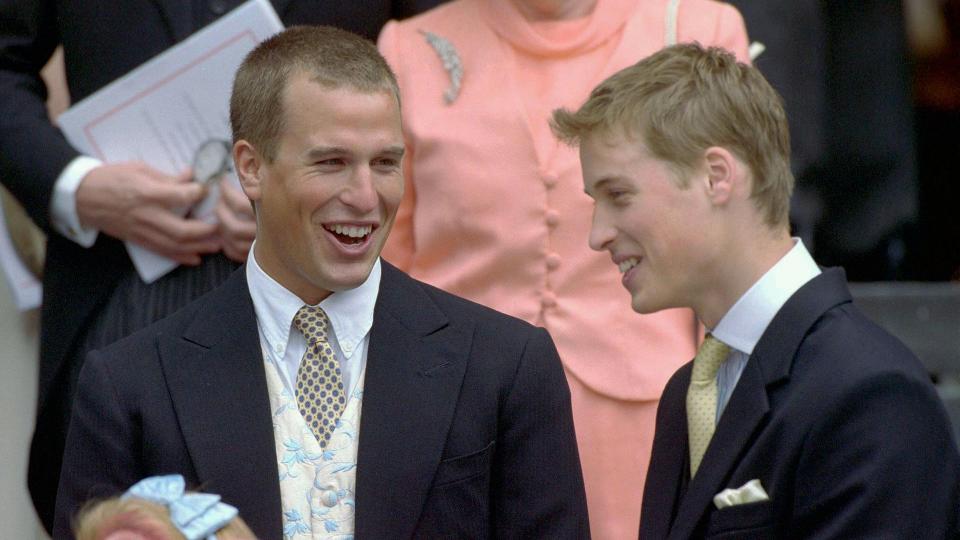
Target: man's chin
(351, 277)
(645, 306)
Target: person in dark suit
(92, 296)
(843, 71)
(798, 418)
(256, 390)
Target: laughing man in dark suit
(320, 390)
(798, 418)
(92, 296)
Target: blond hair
(685, 99)
(98, 519)
(331, 57)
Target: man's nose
(602, 232)
(361, 192)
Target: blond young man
(799, 418)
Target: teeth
(628, 264)
(350, 230)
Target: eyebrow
(599, 184)
(318, 151)
(396, 151)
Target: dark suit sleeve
(33, 152)
(101, 446)
(537, 482)
(881, 464)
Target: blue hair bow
(195, 515)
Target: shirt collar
(350, 311)
(749, 317)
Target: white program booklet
(25, 288)
(162, 111)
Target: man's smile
(350, 234)
(627, 264)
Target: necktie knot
(710, 356)
(313, 322)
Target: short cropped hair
(685, 99)
(331, 57)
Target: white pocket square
(750, 492)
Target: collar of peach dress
(561, 37)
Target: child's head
(157, 508)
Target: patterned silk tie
(702, 398)
(320, 394)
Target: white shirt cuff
(63, 204)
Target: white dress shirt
(350, 313)
(63, 203)
(742, 326)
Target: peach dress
(494, 208)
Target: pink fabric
(495, 210)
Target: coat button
(553, 218)
(553, 261)
(550, 180)
(548, 300)
(329, 498)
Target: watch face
(211, 160)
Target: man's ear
(249, 165)
(722, 174)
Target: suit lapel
(744, 413)
(747, 410)
(215, 375)
(415, 366)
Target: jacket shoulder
(460, 309)
(856, 347)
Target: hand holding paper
(238, 226)
(136, 203)
(161, 114)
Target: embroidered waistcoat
(317, 485)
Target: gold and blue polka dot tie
(702, 398)
(320, 395)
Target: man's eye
(388, 163)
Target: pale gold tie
(702, 398)
(320, 395)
